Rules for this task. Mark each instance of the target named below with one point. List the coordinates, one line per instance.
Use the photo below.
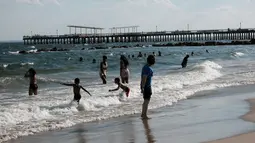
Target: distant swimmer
(144, 55)
(31, 74)
(94, 61)
(120, 85)
(103, 69)
(140, 55)
(207, 51)
(185, 61)
(76, 89)
(153, 53)
(159, 53)
(192, 53)
(81, 59)
(133, 56)
(124, 71)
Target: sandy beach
(245, 138)
(199, 119)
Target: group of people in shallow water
(145, 85)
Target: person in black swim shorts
(76, 89)
(146, 76)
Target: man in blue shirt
(146, 76)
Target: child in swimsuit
(76, 89)
(120, 85)
(31, 74)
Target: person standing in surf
(103, 69)
(146, 77)
(124, 71)
(76, 89)
(185, 61)
(31, 74)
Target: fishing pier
(95, 35)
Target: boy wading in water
(31, 74)
(146, 76)
(120, 85)
(76, 89)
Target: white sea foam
(27, 63)
(53, 109)
(15, 53)
(32, 51)
(238, 54)
(5, 65)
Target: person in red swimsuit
(31, 74)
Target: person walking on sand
(146, 77)
(103, 69)
(76, 89)
(31, 74)
(124, 71)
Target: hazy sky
(20, 17)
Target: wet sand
(244, 138)
(210, 116)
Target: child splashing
(120, 85)
(76, 89)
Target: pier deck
(160, 36)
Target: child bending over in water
(76, 89)
(120, 85)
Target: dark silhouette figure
(159, 53)
(185, 61)
(103, 69)
(31, 74)
(94, 61)
(81, 59)
(140, 55)
(207, 51)
(192, 53)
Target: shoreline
(246, 137)
(187, 121)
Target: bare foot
(145, 118)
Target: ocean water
(53, 108)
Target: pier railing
(156, 36)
